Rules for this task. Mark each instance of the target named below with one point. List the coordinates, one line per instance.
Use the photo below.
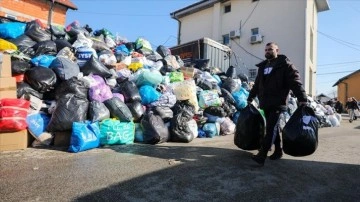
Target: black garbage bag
(231, 85)
(243, 77)
(40, 78)
(23, 40)
(300, 134)
(36, 32)
(154, 129)
(163, 51)
(45, 48)
(227, 96)
(130, 91)
(205, 84)
(58, 32)
(98, 111)
(202, 64)
(99, 45)
(72, 86)
(215, 111)
(62, 43)
(69, 109)
(27, 51)
(94, 66)
(64, 68)
(229, 109)
(179, 128)
(250, 128)
(19, 66)
(24, 88)
(231, 72)
(164, 112)
(136, 109)
(118, 109)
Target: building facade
(28, 10)
(348, 86)
(247, 25)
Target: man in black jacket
(276, 77)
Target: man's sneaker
(276, 155)
(259, 159)
(350, 120)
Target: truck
(204, 48)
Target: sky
(338, 30)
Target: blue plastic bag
(43, 60)
(241, 98)
(210, 130)
(37, 123)
(148, 94)
(84, 136)
(11, 30)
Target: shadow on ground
(222, 174)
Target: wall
(288, 23)
(353, 84)
(27, 10)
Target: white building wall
(288, 23)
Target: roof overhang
(66, 3)
(322, 5)
(346, 77)
(193, 8)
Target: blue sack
(43, 60)
(37, 123)
(84, 136)
(11, 30)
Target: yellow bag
(6, 45)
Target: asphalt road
(202, 170)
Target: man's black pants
(272, 135)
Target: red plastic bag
(13, 113)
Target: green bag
(176, 76)
(112, 132)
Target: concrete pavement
(202, 170)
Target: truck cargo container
(204, 48)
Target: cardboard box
(8, 87)
(5, 65)
(14, 140)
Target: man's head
(271, 50)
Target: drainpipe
(51, 12)
(179, 28)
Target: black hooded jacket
(272, 92)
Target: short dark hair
(271, 43)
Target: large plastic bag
(148, 94)
(11, 30)
(19, 66)
(179, 129)
(137, 110)
(6, 45)
(84, 136)
(130, 91)
(115, 132)
(300, 134)
(65, 68)
(13, 113)
(45, 48)
(209, 98)
(94, 66)
(43, 60)
(154, 129)
(118, 109)
(98, 111)
(240, 98)
(37, 124)
(69, 109)
(72, 86)
(186, 90)
(250, 128)
(40, 78)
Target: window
(227, 8)
(252, 74)
(12, 17)
(226, 39)
(254, 31)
